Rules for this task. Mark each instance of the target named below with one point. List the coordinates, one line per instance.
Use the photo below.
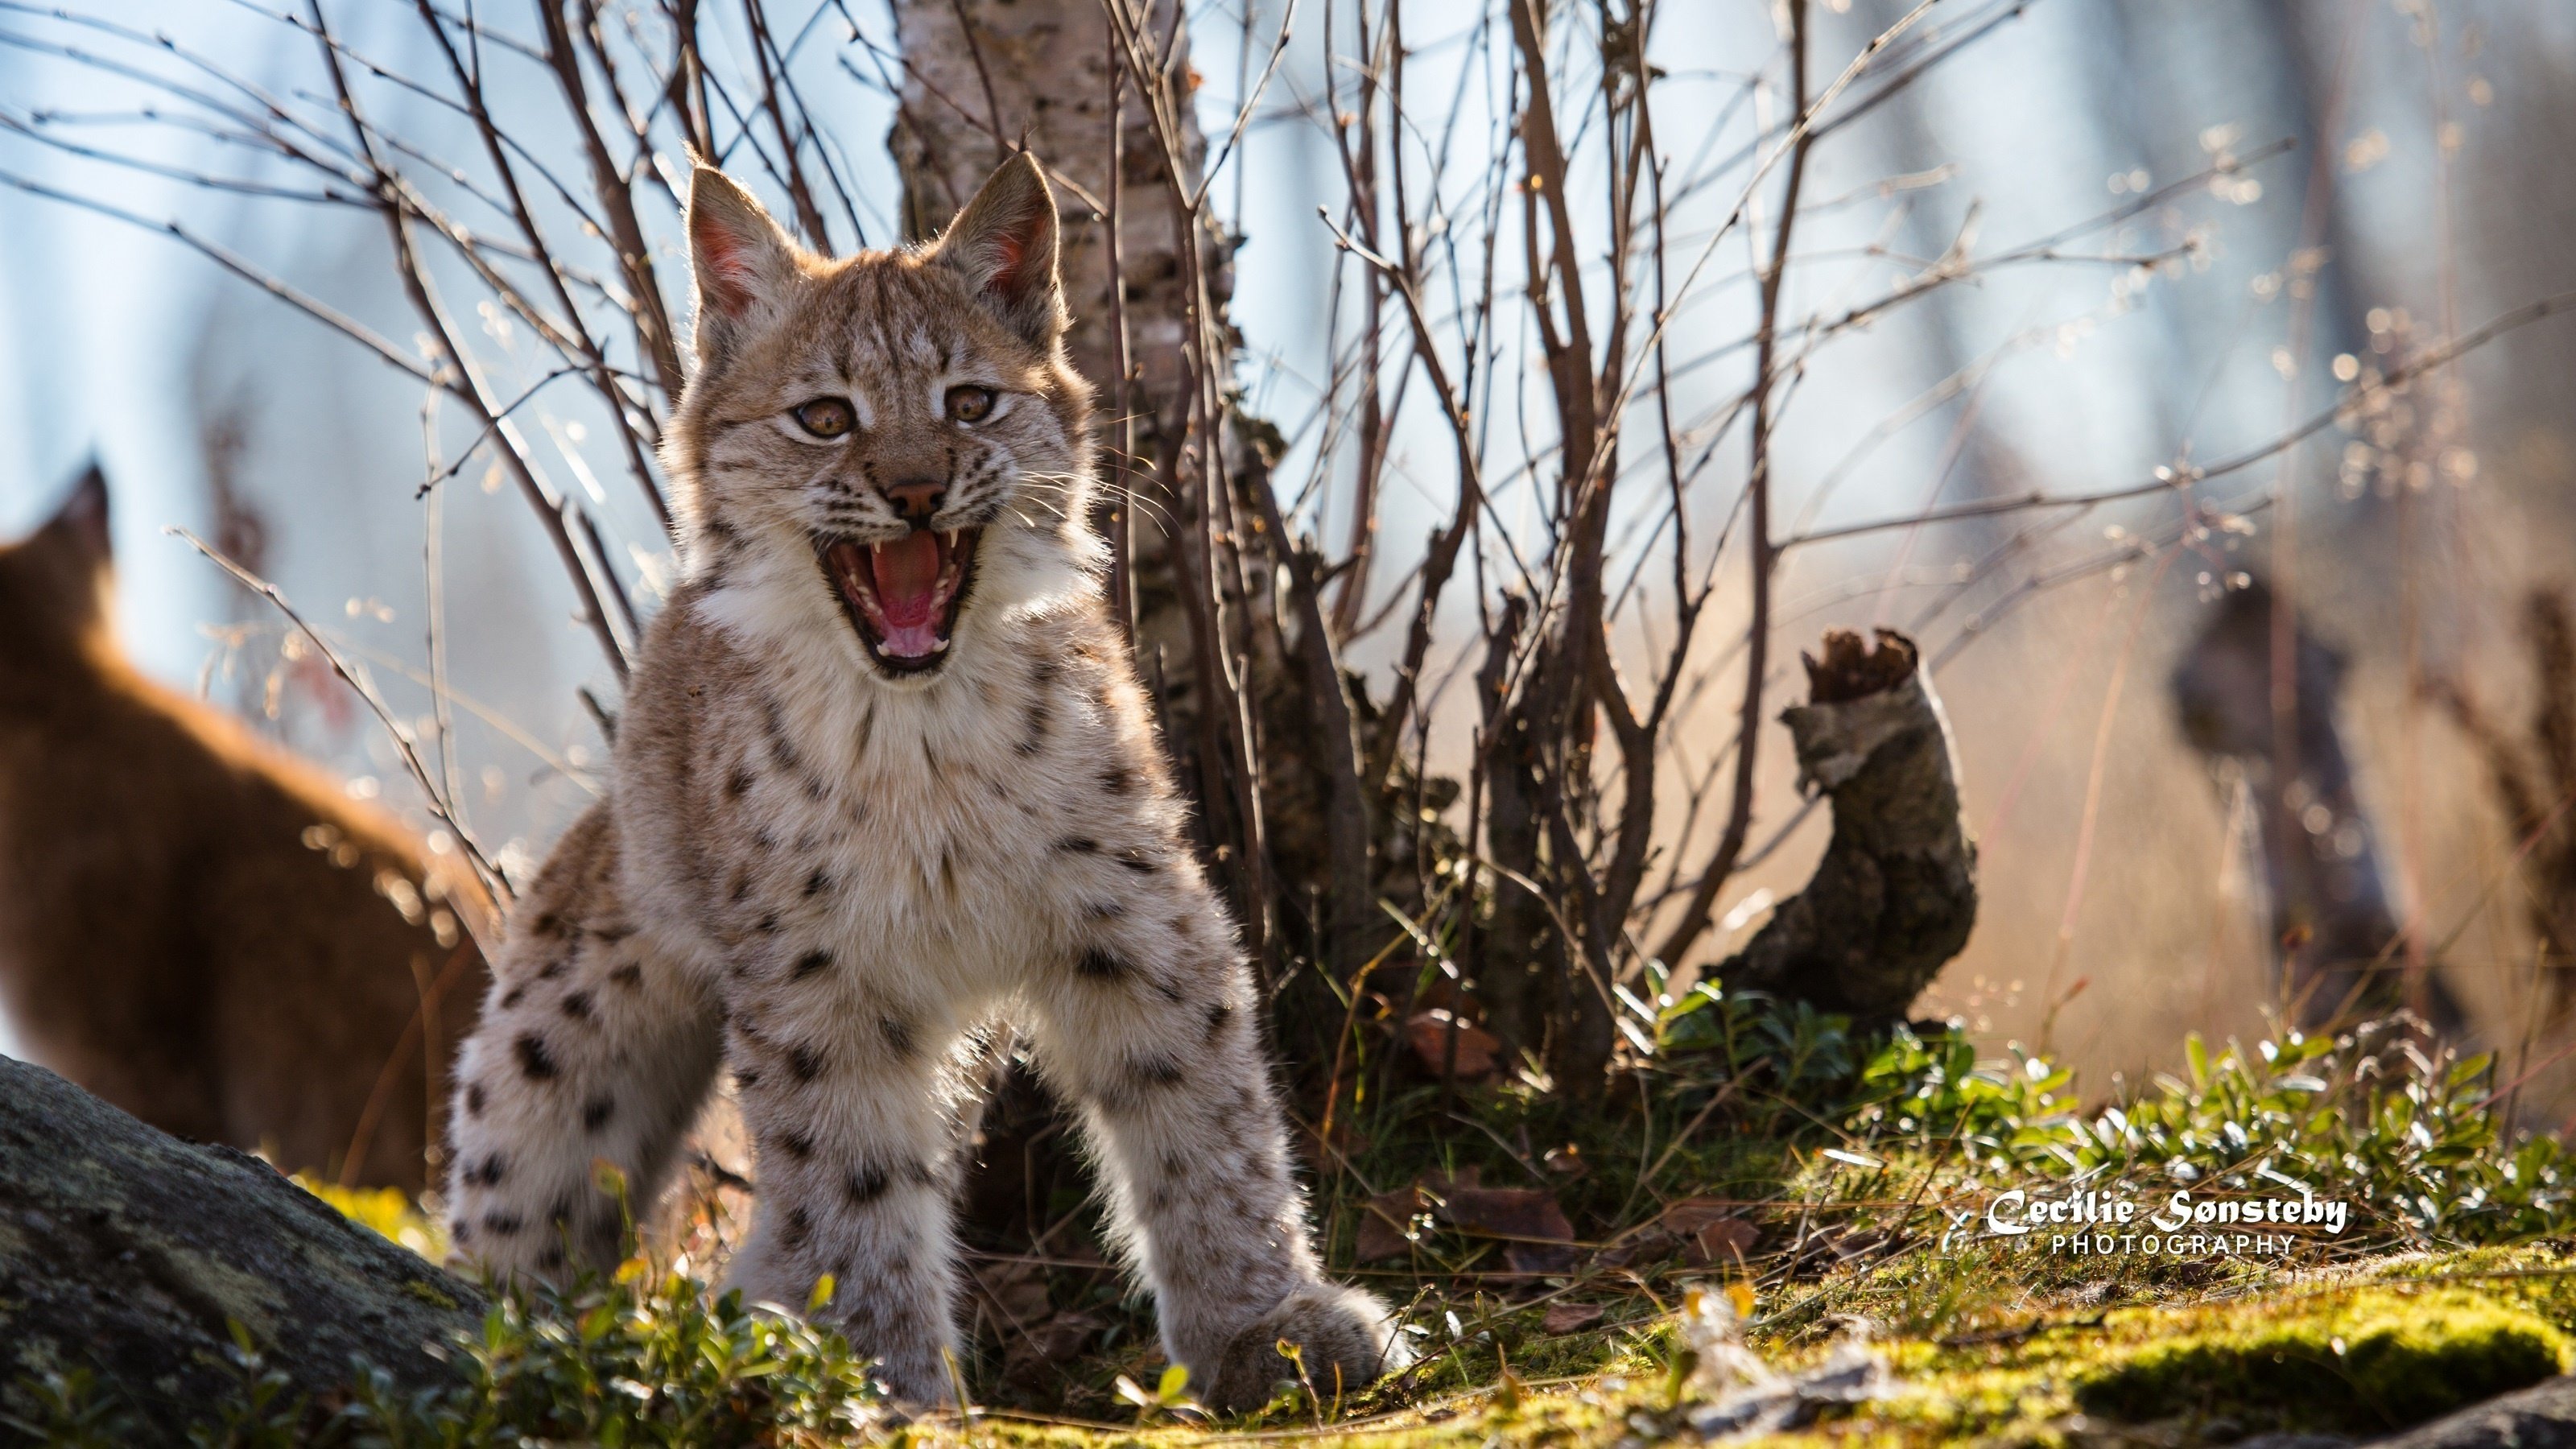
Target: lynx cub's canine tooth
(831, 858)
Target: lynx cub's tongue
(907, 579)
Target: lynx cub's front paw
(1346, 1337)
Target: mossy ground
(1992, 1345)
(1836, 1173)
(1996, 1342)
(2003, 1348)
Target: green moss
(2375, 1362)
(428, 1292)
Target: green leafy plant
(640, 1358)
(67, 1409)
(2368, 1116)
(264, 1412)
(1169, 1397)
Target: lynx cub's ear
(741, 261)
(1004, 244)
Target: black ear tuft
(1004, 244)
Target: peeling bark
(1896, 894)
(130, 1253)
(983, 78)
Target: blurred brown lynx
(196, 927)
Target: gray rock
(130, 1253)
(2540, 1417)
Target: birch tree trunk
(1254, 704)
(985, 78)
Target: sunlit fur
(853, 889)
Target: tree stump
(129, 1253)
(1896, 894)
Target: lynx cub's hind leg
(593, 1045)
(1150, 1028)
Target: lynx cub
(884, 789)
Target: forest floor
(1781, 1228)
(2029, 1351)
(1769, 1226)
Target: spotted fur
(843, 883)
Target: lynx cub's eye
(825, 417)
(970, 404)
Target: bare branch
(432, 796)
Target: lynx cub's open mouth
(903, 594)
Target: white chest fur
(925, 842)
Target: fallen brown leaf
(1649, 1244)
(1428, 1034)
(1506, 1212)
(1059, 1339)
(1017, 1289)
(1724, 1241)
(1529, 1221)
(1710, 1230)
(1691, 1214)
(1386, 1222)
(1567, 1317)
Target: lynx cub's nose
(917, 498)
